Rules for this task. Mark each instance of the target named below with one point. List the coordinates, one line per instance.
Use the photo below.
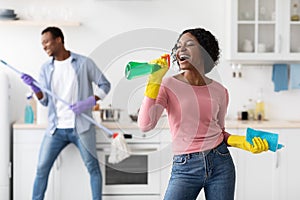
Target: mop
(119, 148)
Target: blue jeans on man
(51, 146)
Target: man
(69, 76)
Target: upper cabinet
(264, 30)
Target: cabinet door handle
(277, 157)
(58, 162)
(9, 170)
(143, 150)
(106, 150)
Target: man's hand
(30, 81)
(84, 105)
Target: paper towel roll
(42, 114)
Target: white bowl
(7, 12)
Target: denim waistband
(200, 153)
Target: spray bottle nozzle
(29, 95)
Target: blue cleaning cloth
(295, 76)
(272, 138)
(280, 77)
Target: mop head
(119, 149)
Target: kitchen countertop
(262, 124)
(230, 124)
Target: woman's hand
(258, 146)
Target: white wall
(103, 20)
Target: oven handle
(132, 150)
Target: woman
(196, 107)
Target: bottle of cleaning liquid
(251, 109)
(260, 107)
(137, 69)
(29, 116)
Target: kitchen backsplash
(257, 80)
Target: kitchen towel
(280, 77)
(295, 76)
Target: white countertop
(230, 124)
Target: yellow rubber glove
(258, 146)
(154, 79)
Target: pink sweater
(196, 114)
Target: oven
(136, 176)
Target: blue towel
(272, 138)
(280, 77)
(295, 76)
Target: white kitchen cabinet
(262, 31)
(270, 175)
(68, 179)
(26, 146)
(287, 165)
(256, 174)
(72, 180)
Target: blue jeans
(214, 171)
(51, 146)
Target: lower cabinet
(287, 165)
(269, 175)
(255, 173)
(71, 177)
(68, 179)
(25, 155)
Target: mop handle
(88, 118)
(11, 67)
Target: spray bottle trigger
(167, 57)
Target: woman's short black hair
(55, 32)
(209, 47)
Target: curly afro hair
(209, 47)
(55, 31)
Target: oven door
(138, 174)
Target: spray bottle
(137, 69)
(260, 107)
(29, 116)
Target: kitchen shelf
(39, 23)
